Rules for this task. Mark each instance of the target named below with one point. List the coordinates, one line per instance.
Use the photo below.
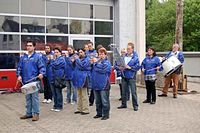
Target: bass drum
(30, 88)
(171, 65)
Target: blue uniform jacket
(135, 66)
(58, 68)
(69, 67)
(48, 66)
(149, 64)
(91, 53)
(30, 67)
(101, 74)
(180, 56)
(80, 75)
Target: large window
(103, 12)
(9, 42)
(103, 28)
(61, 41)
(104, 41)
(81, 10)
(9, 6)
(81, 27)
(40, 41)
(57, 25)
(57, 9)
(33, 7)
(9, 24)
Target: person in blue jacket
(101, 84)
(46, 80)
(80, 81)
(129, 72)
(31, 68)
(150, 65)
(175, 76)
(58, 71)
(71, 91)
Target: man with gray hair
(174, 76)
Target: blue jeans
(126, 84)
(32, 104)
(102, 102)
(71, 91)
(58, 97)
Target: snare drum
(170, 65)
(30, 88)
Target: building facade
(69, 22)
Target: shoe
(152, 102)
(97, 116)
(90, 104)
(120, 99)
(77, 112)
(175, 96)
(84, 113)
(105, 118)
(162, 95)
(57, 110)
(49, 101)
(146, 101)
(135, 109)
(52, 109)
(25, 117)
(122, 107)
(44, 101)
(73, 102)
(35, 117)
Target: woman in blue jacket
(101, 84)
(58, 72)
(80, 77)
(150, 65)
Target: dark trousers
(91, 97)
(58, 97)
(47, 89)
(151, 90)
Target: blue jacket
(30, 67)
(69, 67)
(149, 64)
(101, 74)
(48, 65)
(135, 66)
(58, 68)
(91, 53)
(80, 75)
(179, 56)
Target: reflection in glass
(103, 28)
(9, 61)
(79, 43)
(12, 4)
(81, 10)
(33, 25)
(81, 27)
(60, 41)
(33, 7)
(57, 26)
(57, 9)
(9, 42)
(40, 41)
(104, 12)
(104, 41)
(9, 24)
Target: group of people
(87, 70)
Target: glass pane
(9, 24)
(81, 10)
(81, 27)
(9, 6)
(33, 25)
(104, 41)
(9, 61)
(103, 28)
(104, 12)
(9, 42)
(57, 9)
(40, 41)
(79, 43)
(57, 26)
(33, 7)
(61, 41)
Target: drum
(30, 88)
(170, 65)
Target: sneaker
(44, 101)
(26, 117)
(122, 107)
(57, 110)
(35, 117)
(152, 102)
(105, 118)
(84, 113)
(53, 109)
(49, 101)
(162, 95)
(146, 101)
(135, 109)
(73, 102)
(97, 116)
